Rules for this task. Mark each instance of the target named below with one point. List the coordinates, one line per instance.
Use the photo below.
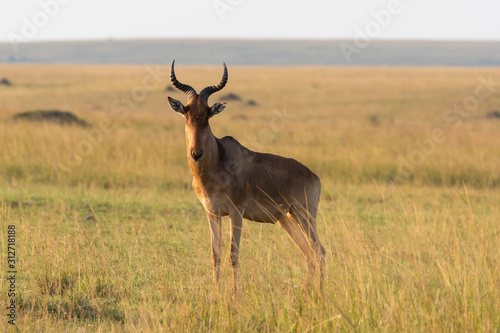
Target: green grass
(398, 258)
(119, 242)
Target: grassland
(111, 237)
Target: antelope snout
(196, 156)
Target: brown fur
(231, 180)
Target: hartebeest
(230, 179)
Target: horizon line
(251, 39)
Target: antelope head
(197, 113)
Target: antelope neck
(208, 163)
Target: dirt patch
(5, 82)
(493, 114)
(230, 97)
(53, 116)
(251, 102)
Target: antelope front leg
(236, 224)
(216, 235)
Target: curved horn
(206, 92)
(190, 92)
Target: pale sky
(41, 20)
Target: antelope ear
(176, 105)
(216, 109)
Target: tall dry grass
(118, 242)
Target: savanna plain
(111, 237)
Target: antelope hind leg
(306, 220)
(293, 230)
